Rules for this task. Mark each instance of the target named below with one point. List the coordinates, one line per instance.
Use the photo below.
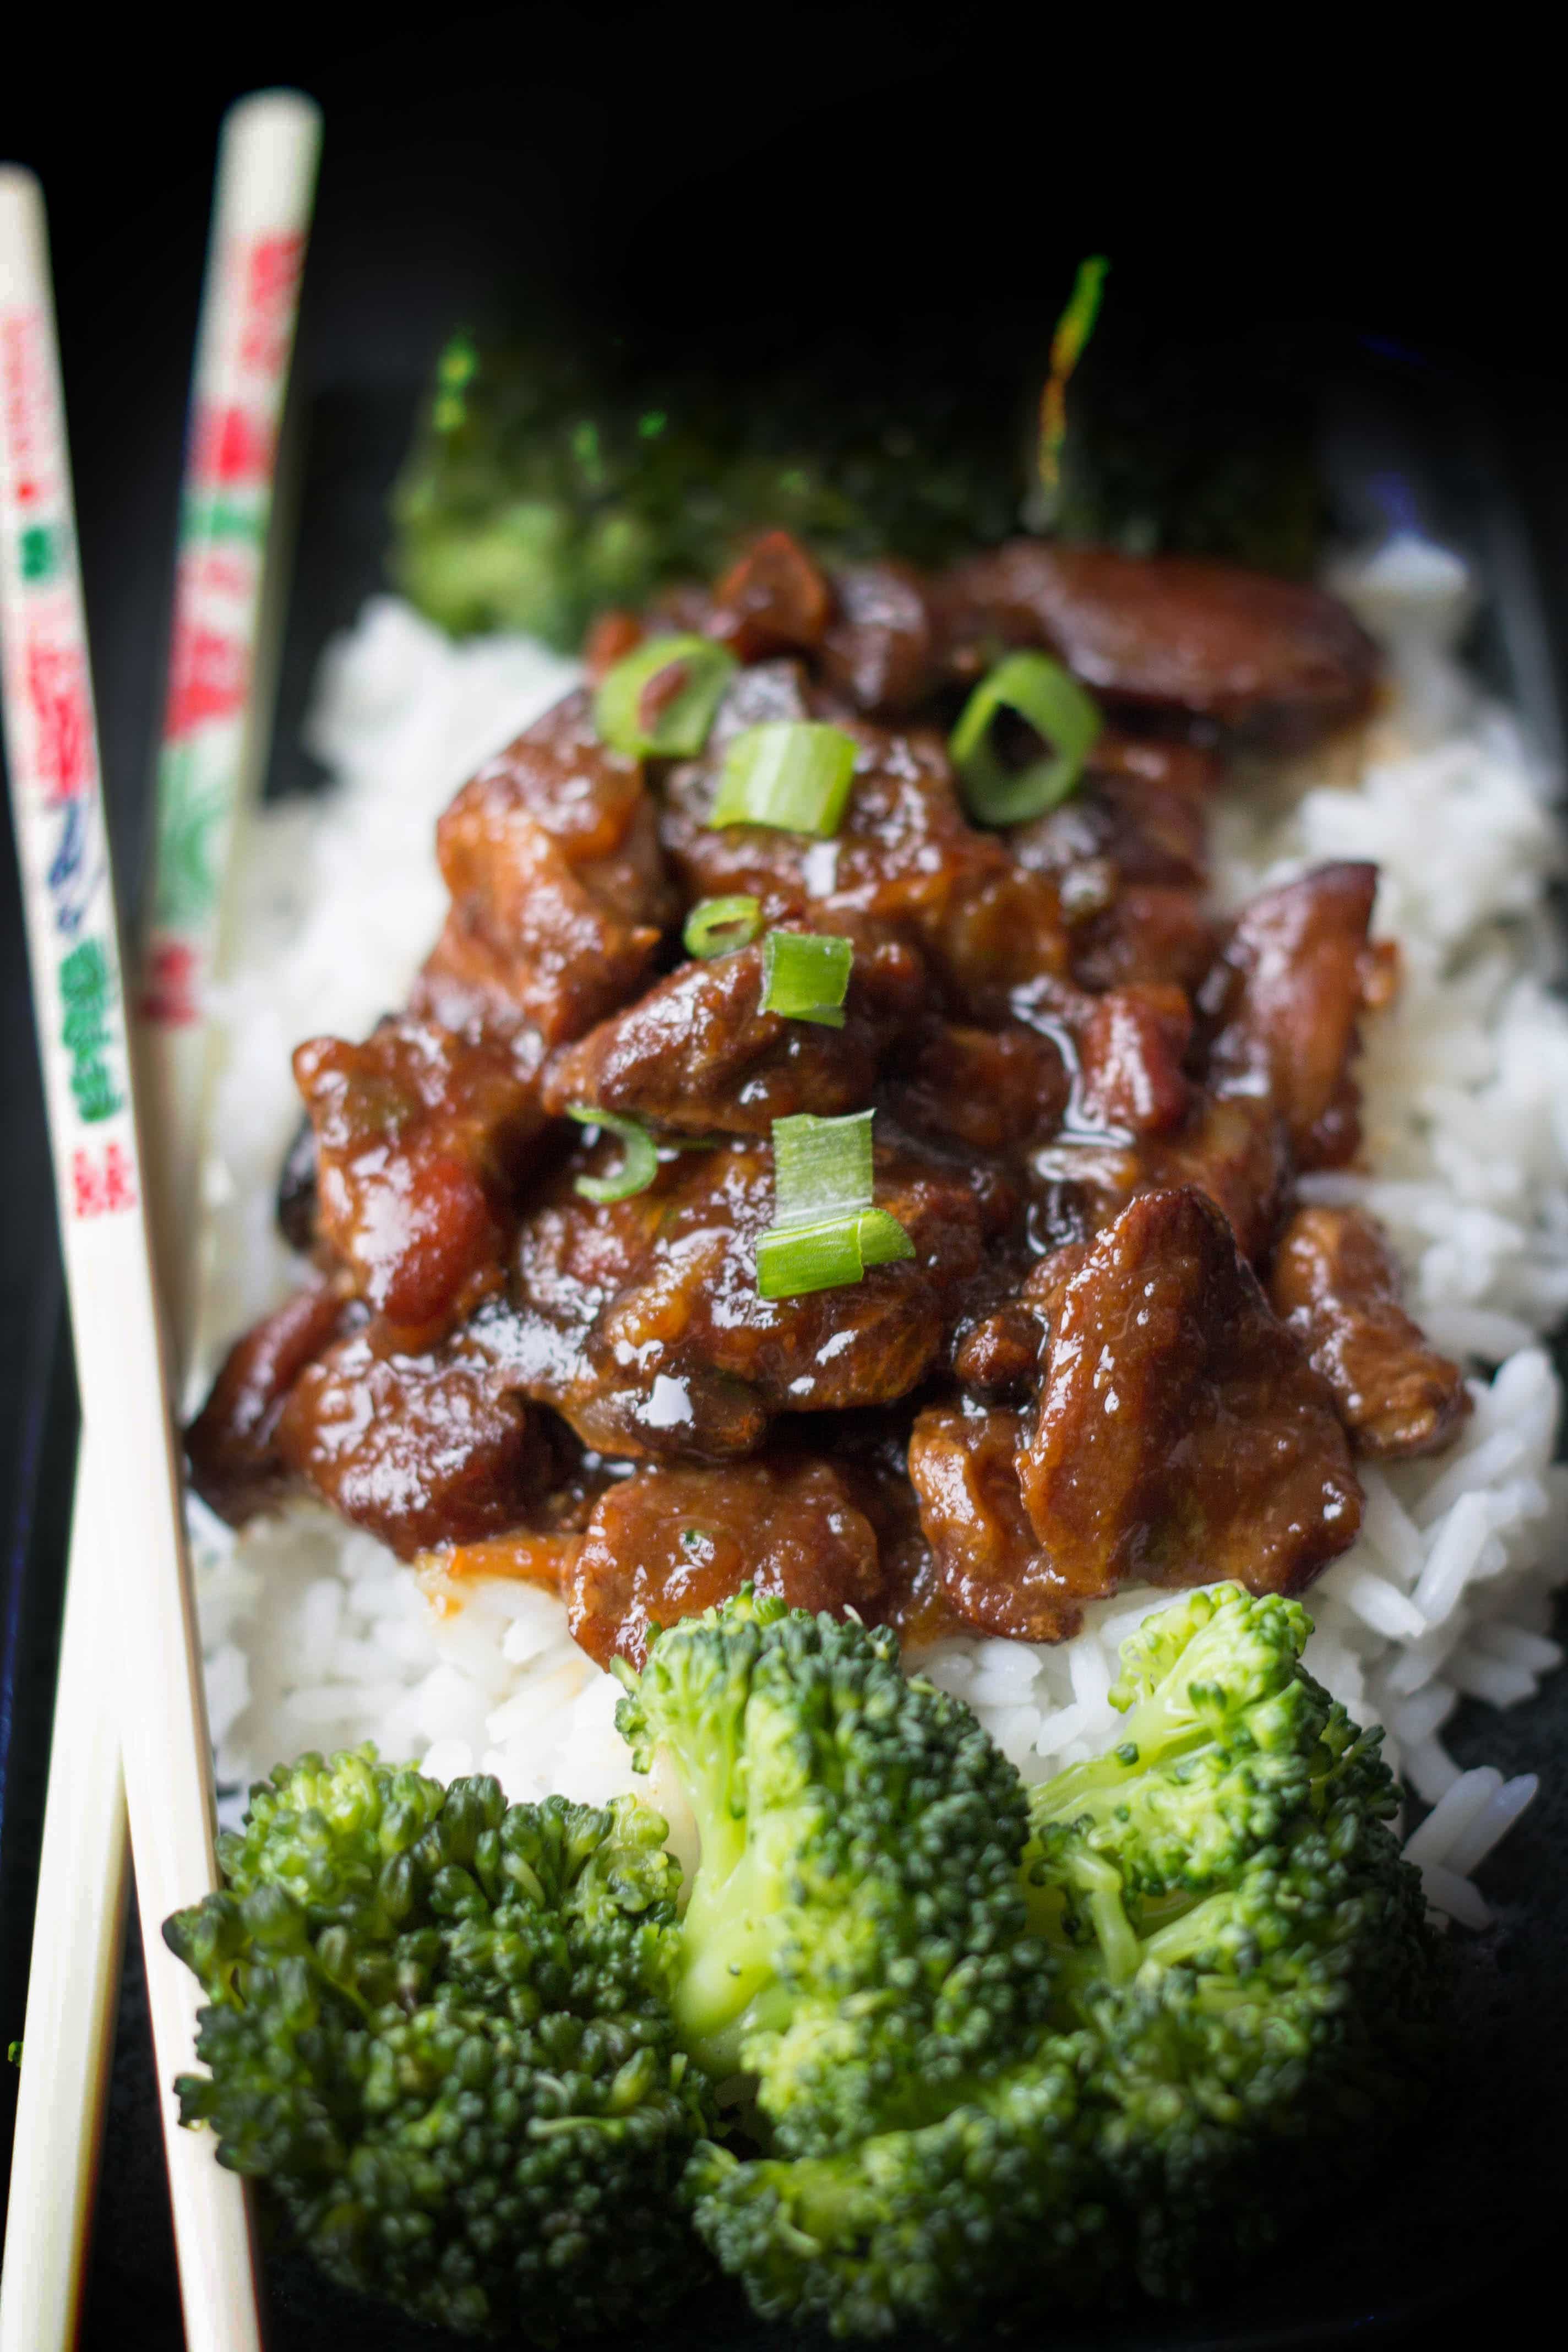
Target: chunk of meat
(422, 1140)
(1124, 1051)
(1000, 1352)
(1234, 1151)
(1181, 1435)
(668, 1543)
(773, 599)
(990, 1090)
(1133, 1046)
(559, 892)
(1142, 808)
(1282, 1006)
(905, 858)
(879, 647)
(1148, 932)
(1335, 1283)
(419, 1450)
(235, 1466)
(991, 1567)
(639, 1319)
(1173, 635)
(697, 1056)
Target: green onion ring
(678, 730)
(639, 1159)
(1056, 706)
(714, 925)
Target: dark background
(757, 180)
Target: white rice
(316, 1636)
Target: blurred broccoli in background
(439, 2032)
(549, 479)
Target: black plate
(436, 190)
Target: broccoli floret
(855, 1939)
(1206, 2010)
(1241, 1938)
(991, 2206)
(439, 2031)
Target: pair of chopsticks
(126, 1145)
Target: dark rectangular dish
(1468, 2222)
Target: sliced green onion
(805, 975)
(639, 1160)
(793, 1259)
(657, 701)
(791, 773)
(883, 1240)
(714, 925)
(822, 1167)
(826, 1232)
(1056, 706)
(1074, 329)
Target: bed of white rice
(316, 1636)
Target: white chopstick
(211, 756)
(140, 1592)
(216, 721)
(266, 173)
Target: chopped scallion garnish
(639, 1158)
(657, 701)
(806, 975)
(791, 773)
(1039, 691)
(714, 925)
(825, 1231)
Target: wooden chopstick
(140, 1589)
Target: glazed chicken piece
(422, 1140)
(1335, 1283)
(1282, 1005)
(418, 1449)
(1181, 1434)
(639, 1319)
(698, 1057)
(1170, 636)
(667, 1543)
(559, 892)
(991, 1567)
(236, 1465)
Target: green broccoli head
(991, 2205)
(855, 1937)
(439, 2031)
(1235, 1965)
(1241, 1938)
